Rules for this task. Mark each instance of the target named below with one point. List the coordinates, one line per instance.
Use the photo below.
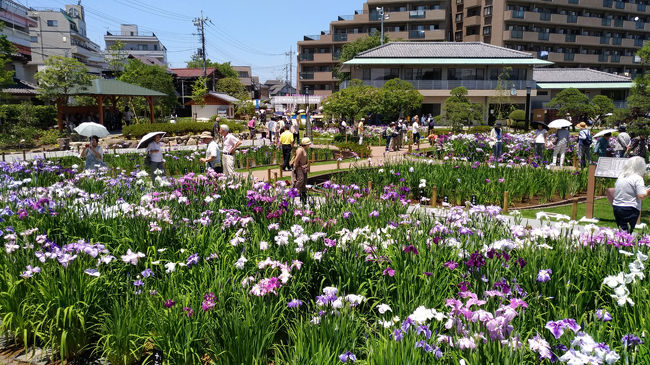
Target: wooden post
(313, 156)
(434, 197)
(275, 177)
(418, 144)
(338, 164)
(100, 106)
(44, 156)
(575, 160)
(268, 173)
(59, 113)
(574, 209)
(370, 185)
(24, 155)
(591, 192)
(3, 157)
(248, 164)
(150, 99)
(346, 137)
(280, 172)
(505, 202)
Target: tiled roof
(441, 50)
(224, 97)
(191, 72)
(114, 87)
(575, 75)
(21, 87)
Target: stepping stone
(34, 356)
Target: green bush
(139, 130)
(361, 150)
(518, 115)
(49, 136)
(480, 129)
(25, 114)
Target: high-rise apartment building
(15, 25)
(59, 32)
(599, 34)
(407, 20)
(136, 44)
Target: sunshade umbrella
(542, 124)
(144, 142)
(90, 129)
(559, 123)
(604, 132)
(301, 111)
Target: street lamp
(380, 10)
(307, 119)
(528, 90)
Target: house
(216, 103)
(134, 43)
(184, 78)
(251, 82)
(273, 88)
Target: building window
(391, 73)
(408, 74)
(487, 30)
(143, 47)
(465, 74)
(34, 39)
(459, 36)
(475, 11)
(52, 23)
(459, 17)
(155, 47)
(487, 11)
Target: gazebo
(112, 90)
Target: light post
(528, 90)
(307, 119)
(380, 10)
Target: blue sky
(245, 32)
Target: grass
(602, 211)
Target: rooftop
(191, 72)
(441, 50)
(575, 75)
(114, 88)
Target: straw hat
(305, 141)
(582, 125)
(206, 134)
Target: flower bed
(203, 269)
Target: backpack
(589, 140)
(384, 134)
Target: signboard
(610, 167)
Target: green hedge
(480, 129)
(27, 115)
(362, 151)
(139, 130)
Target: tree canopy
(352, 103)
(399, 98)
(224, 68)
(233, 87)
(60, 76)
(116, 57)
(459, 111)
(154, 78)
(573, 102)
(199, 90)
(6, 49)
(602, 105)
(639, 100)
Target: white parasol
(559, 123)
(90, 129)
(604, 132)
(144, 142)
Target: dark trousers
(626, 218)
(388, 142)
(498, 150)
(296, 138)
(286, 156)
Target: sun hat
(206, 134)
(582, 125)
(305, 141)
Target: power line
(237, 44)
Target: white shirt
(539, 136)
(213, 150)
(157, 156)
(626, 191)
(229, 142)
(416, 127)
(270, 126)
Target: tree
(602, 105)
(224, 68)
(639, 99)
(154, 78)
(351, 49)
(199, 90)
(233, 87)
(399, 98)
(573, 102)
(501, 99)
(116, 57)
(354, 102)
(460, 111)
(59, 77)
(6, 50)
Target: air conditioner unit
(626, 74)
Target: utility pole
(381, 14)
(290, 55)
(199, 23)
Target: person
(561, 145)
(360, 130)
(388, 133)
(397, 136)
(270, 125)
(623, 142)
(496, 140)
(639, 146)
(251, 127)
(629, 191)
(286, 142)
(295, 128)
(212, 158)
(432, 125)
(602, 145)
(343, 127)
(128, 114)
(230, 145)
(540, 141)
(403, 133)
(215, 126)
(93, 154)
(584, 142)
(415, 130)
(155, 156)
(300, 169)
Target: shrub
(480, 129)
(25, 114)
(361, 150)
(139, 130)
(518, 115)
(49, 136)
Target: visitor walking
(388, 134)
(295, 129)
(602, 145)
(397, 136)
(360, 127)
(251, 128)
(639, 146)
(540, 141)
(212, 158)
(584, 143)
(94, 154)
(623, 142)
(496, 140)
(286, 142)
(154, 151)
(230, 145)
(300, 169)
(415, 129)
(561, 145)
(215, 126)
(270, 126)
(629, 191)
(432, 125)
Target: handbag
(147, 160)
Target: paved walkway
(378, 156)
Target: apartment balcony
(472, 21)
(472, 3)
(322, 76)
(17, 36)
(306, 76)
(591, 59)
(450, 84)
